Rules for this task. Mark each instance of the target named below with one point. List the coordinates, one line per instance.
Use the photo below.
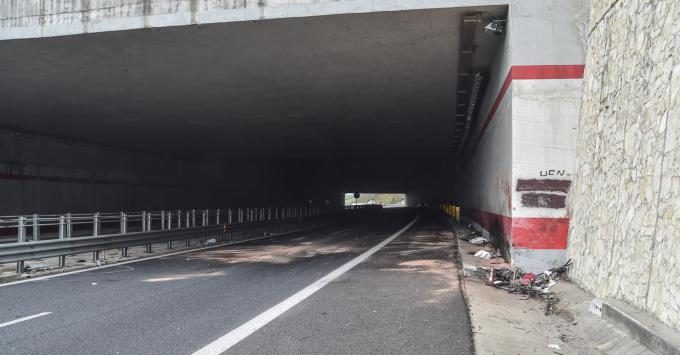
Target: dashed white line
(19, 320)
(235, 336)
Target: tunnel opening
(386, 200)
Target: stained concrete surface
(509, 324)
(406, 299)
(177, 304)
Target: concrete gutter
(640, 326)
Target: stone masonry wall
(625, 198)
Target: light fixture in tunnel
(471, 108)
(476, 18)
(495, 27)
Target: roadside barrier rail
(149, 228)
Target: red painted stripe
(523, 232)
(537, 72)
(492, 222)
(529, 72)
(540, 233)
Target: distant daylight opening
(378, 199)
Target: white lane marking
(47, 277)
(235, 336)
(24, 319)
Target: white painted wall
(544, 121)
(534, 127)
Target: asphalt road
(404, 299)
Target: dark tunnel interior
(248, 112)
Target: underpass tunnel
(269, 112)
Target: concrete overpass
(140, 105)
(116, 105)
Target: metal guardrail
(60, 247)
(171, 226)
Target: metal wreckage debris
(535, 286)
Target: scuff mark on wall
(543, 200)
(543, 185)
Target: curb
(642, 327)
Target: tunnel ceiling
(362, 85)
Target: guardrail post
(147, 228)
(276, 213)
(217, 216)
(123, 230)
(204, 219)
(193, 218)
(162, 220)
(95, 224)
(62, 235)
(95, 232)
(143, 221)
(123, 223)
(21, 237)
(69, 226)
(187, 225)
(169, 228)
(269, 213)
(36, 227)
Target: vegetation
(383, 199)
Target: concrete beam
(48, 18)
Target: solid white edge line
(95, 268)
(235, 336)
(24, 319)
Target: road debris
(474, 237)
(36, 267)
(479, 240)
(518, 282)
(483, 254)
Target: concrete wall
(482, 186)
(625, 201)
(514, 187)
(44, 174)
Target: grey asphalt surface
(405, 299)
